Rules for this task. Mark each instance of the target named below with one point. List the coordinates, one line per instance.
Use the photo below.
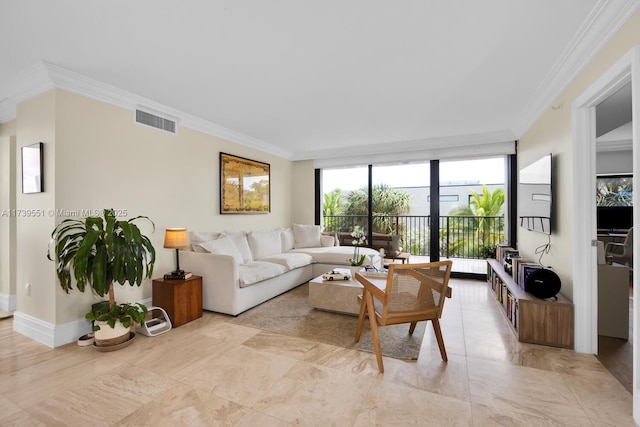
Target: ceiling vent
(156, 121)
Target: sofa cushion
(221, 246)
(337, 255)
(307, 236)
(288, 239)
(196, 237)
(257, 271)
(326, 241)
(239, 238)
(198, 248)
(334, 234)
(264, 243)
(290, 260)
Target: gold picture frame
(244, 185)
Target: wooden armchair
(411, 293)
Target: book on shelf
(510, 253)
(178, 276)
(526, 271)
(515, 266)
(509, 256)
(500, 248)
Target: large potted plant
(101, 252)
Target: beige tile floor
(213, 373)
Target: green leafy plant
(332, 203)
(488, 251)
(474, 225)
(386, 203)
(127, 314)
(101, 251)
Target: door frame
(583, 145)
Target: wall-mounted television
(535, 195)
(615, 218)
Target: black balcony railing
(460, 236)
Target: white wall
(551, 133)
(7, 218)
(35, 122)
(96, 157)
(614, 162)
(303, 193)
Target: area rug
(290, 314)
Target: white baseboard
(47, 333)
(7, 302)
(53, 335)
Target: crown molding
(604, 21)
(454, 147)
(34, 81)
(395, 148)
(46, 76)
(209, 128)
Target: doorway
(626, 70)
(614, 210)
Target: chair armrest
(376, 291)
(609, 245)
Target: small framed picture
(32, 159)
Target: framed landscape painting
(244, 185)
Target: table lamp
(176, 238)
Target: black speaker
(542, 283)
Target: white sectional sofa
(243, 269)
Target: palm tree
(386, 203)
(332, 203)
(480, 207)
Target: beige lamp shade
(176, 238)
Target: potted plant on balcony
(101, 252)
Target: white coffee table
(339, 296)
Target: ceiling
(613, 121)
(308, 80)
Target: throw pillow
(334, 234)
(222, 246)
(239, 238)
(264, 243)
(395, 243)
(196, 237)
(326, 241)
(307, 236)
(288, 239)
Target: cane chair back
(413, 293)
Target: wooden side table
(181, 299)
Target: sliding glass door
(401, 204)
(472, 211)
(462, 220)
(345, 200)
